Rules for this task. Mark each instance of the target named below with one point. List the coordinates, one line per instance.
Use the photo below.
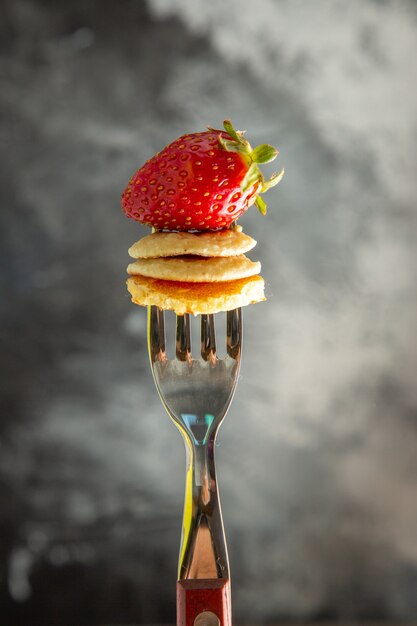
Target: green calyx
(264, 153)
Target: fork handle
(204, 602)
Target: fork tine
(208, 337)
(156, 334)
(234, 333)
(183, 338)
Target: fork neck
(203, 548)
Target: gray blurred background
(317, 458)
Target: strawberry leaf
(264, 153)
(272, 181)
(232, 146)
(261, 204)
(252, 176)
(229, 128)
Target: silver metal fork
(197, 392)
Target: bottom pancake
(195, 298)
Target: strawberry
(201, 181)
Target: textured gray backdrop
(318, 455)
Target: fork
(196, 393)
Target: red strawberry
(201, 181)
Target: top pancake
(223, 243)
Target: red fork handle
(204, 599)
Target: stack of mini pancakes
(196, 273)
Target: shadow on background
(317, 458)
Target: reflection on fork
(197, 392)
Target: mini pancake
(215, 244)
(196, 298)
(194, 269)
